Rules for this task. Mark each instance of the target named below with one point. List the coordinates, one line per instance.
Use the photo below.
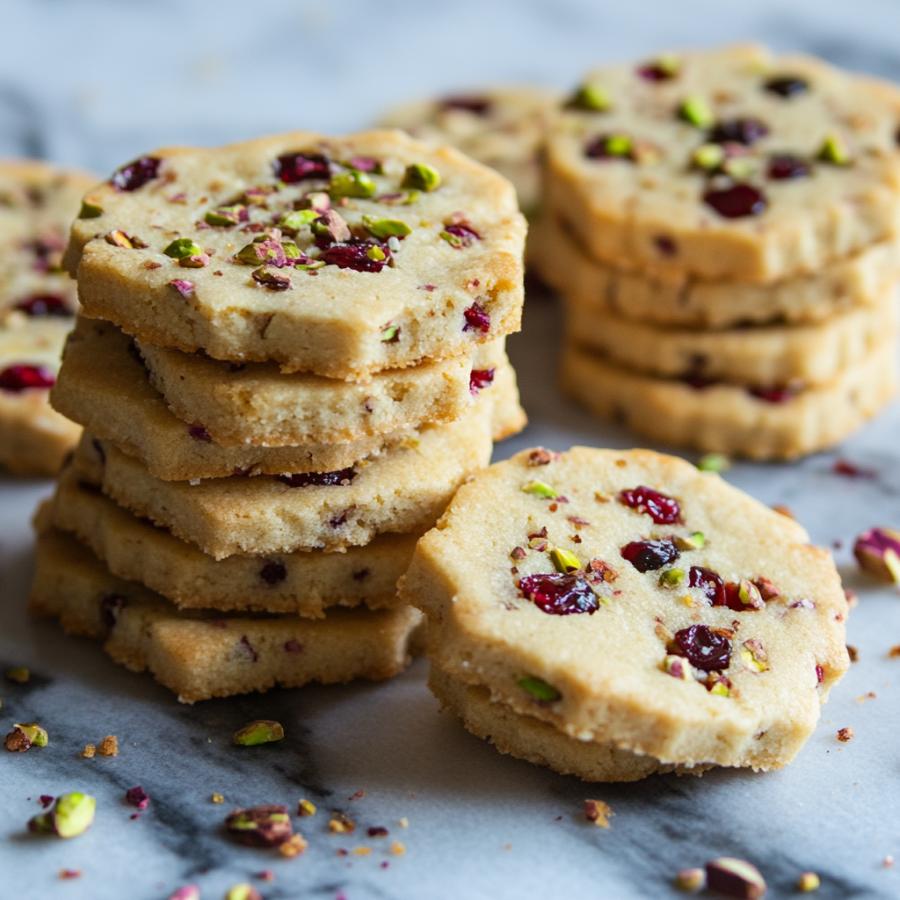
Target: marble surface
(480, 825)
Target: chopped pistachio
(599, 812)
(181, 248)
(834, 151)
(261, 731)
(749, 595)
(734, 877)
(591, 96)
(306, 808)
(808, 882)
(671, 578)
(708, 157)
(389, 334)
(696, 540)
(118, 238)
(376, 253)
(539, 689)
(422, 177)
(71, 815)
(668, 63)
(754, 655)
(225, 216)
(740, 168)
(564, 560)
(243, 891)
(677, 667)
(261, 826)
(619, 145)
(540, 489)
(352, 183)
(720, 689)
(18, 675)
(714, 462)
(297, 219)
(695, 111)
(36, 735)
(90, 209)
(386, 228)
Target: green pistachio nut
(389, 334)
(708, 157)
(714, 462)
(118, 238)
(754, 655)
(740, 168)
(352, 184)
(720, 689)
(539, 489)
(386, 228)
(619, 145)
(262, 731)
(73, 814)
(243, 892)
(90, 209)
(671, 578)
(668, 63)
(591, 96)
(225, 216)
(749, 595)
(564, 560)
(36, 735)
(182, 248)
(421, 177)
(297, 219)
(695, 111)
(696, 540)
(834, 151)
(539, 689)
(291, 250)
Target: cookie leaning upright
(231, 524)
(37, 308)
(267, 251)
(632, 602)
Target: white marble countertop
(94, 83)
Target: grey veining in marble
(93, 83)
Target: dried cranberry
(22, 377)
(746, 131)
(318, 479)
(479, 106)
(852, 470)
(477, 319)
(655, 71)
(135, 174)
(273, 572)
(364, 164)
(199, 433)
(41, 305)
(480, 378)
(820, 674)
(778, 394)
(354, 254)
(787, 85)
(292, 645)
(647, 556)
(138, 797)
(248, 649)
(559, 595)
(709, 582)
(110, 607)
(704, 648)
(664, 510)
(784, 166)
(293, 167)
(736, 201)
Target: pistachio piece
(590, 96)
(834, 151)
(599, 812)
(271, 278)
(695, 111)
(690, 880)
(390, 334)
(696, 540)
(421, 177)
(618, 145)
(808, 882)
(90, 209)
(34, 733)
(564, 560)
(243, 891)
(261, 731)
(539, 689)
(226, 216)
(755, 656)
(714, 462)
(118, 238)
(740, 168)
(182, 248)
(540, 489)
(306, 808)
(735, 878)
(352, 183)
(376, 253)
(719, 687)
(296, 219)
(677, 666)
(71, 815)
(260, 826)
(18, 675)
(878, 552)
(708, 157)
(671, 578)
(386, 228)
(749, 595)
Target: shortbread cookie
(203, 655)
(531, 739)
(779, 423)
(500, 127)
(116, 402)
(730, 163)
(260, 406)
(338, 256)
(760, 355)
(626, 596)
(404, 491)
(37, 302)
(861, 279)
(304, 584)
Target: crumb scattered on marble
(341, 824)
(66, 874)
(598, 812)
(293, 846)
(89, 751)
(357, 795)
(403, 822)
(398, 848)
(894, 652)
(362, 851)
(853, 653)
(869, 695)
(845, 734)
(217, 798)
(808, 882)
(306, 808)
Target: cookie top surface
(734, 143)
(608, 575)
(336, 234)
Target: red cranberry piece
(655, 71)
(743, 130)
(354, 254)
(784, 166)
(709, 582)
(851, 470)
(478, 106)
(664, 510)
(480, 378)
(820, 674)
(736, 201)
(704, 648)
(41, 305)
(110, 607)
(646, 556)
(559, 595)
(18, 378)
(292, 645)
(138, 797)
(199, 433)
(466, 235)
(135, 174)
(273, 572)
(293, 167)
(665, 245)
(318, 479)
(364, 164)
(780, 394)
(248, 649)
(477, 319)
(787, 85)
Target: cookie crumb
(853, 653)
(341, 824)
(362, 851)
(293, 846)
(869, 695)
(109, 746)
(888, 862)
(66, 874)
(845, 734)
(403, 822)
(690, 880)
(598, 812)
(357, 795)
(89, 751)
(894, 652)
(808, 882)
(306, 808)
(217, 798)
(398, 848)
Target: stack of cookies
(627, 614)
(37, 308)
(723, 228)
(294, 356)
